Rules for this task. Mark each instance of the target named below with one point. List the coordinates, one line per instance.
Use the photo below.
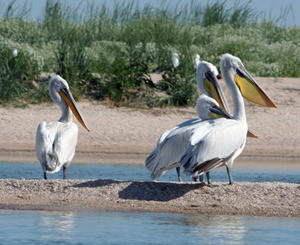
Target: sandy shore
(134, 132)
(127, 135)
(259, 199)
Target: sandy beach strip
(255, 199)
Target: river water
(40, 227)
(249, 173)
(36, 227)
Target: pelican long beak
(250, 89)
(67, 96)
(218, 112)
(212, 86)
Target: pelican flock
(173, 143)
(219, 142)
(214, 139)
(56, 141)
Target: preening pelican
(173, 143)
(56, 141)
(175, 60)
(219, 142)
(196, 60)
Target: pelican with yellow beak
(56, 141)
(219, 142)
(173, 143)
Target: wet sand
(127, 135)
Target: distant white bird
(56, 141)
(196, 60)
(173, 143)
(175, 60)
(14, 51)
(219, 142)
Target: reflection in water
(231, 227)
(57, 225)
(215, 227)
(31, 227)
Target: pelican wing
(65, 143)
(45, 136)
(171, 145)
(211, 146)
(55, 144)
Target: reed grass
(105, 53)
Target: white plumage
(219, 142)
(14, 51)
(196, 60)
(56, 141)
(175, 60)
(173, 143)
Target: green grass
(105, 53)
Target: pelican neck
(238, 101)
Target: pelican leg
(208, 178)
(45, 175)
(64, 171)
(178, 174)
(229, 176)
(201, 178)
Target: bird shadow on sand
(144, 190)
(157, 191)
(98, 183)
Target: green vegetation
(107, 54)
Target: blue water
(128, 172)
(35, 227)
(270, 9)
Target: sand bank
(259, 199)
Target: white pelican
(196, 60)
(56, 141)
(219, 142)
(175, 60)
(173, 143)
(14, 51)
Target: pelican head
(61, 95)
(245, 82)
(207, 83)
(208, 108)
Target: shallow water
(128, 172)
(35, 227)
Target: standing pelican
(196, 60)
(173, 143)
(219, 142)
(175, 60)
(14, 51)
(56, 141)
